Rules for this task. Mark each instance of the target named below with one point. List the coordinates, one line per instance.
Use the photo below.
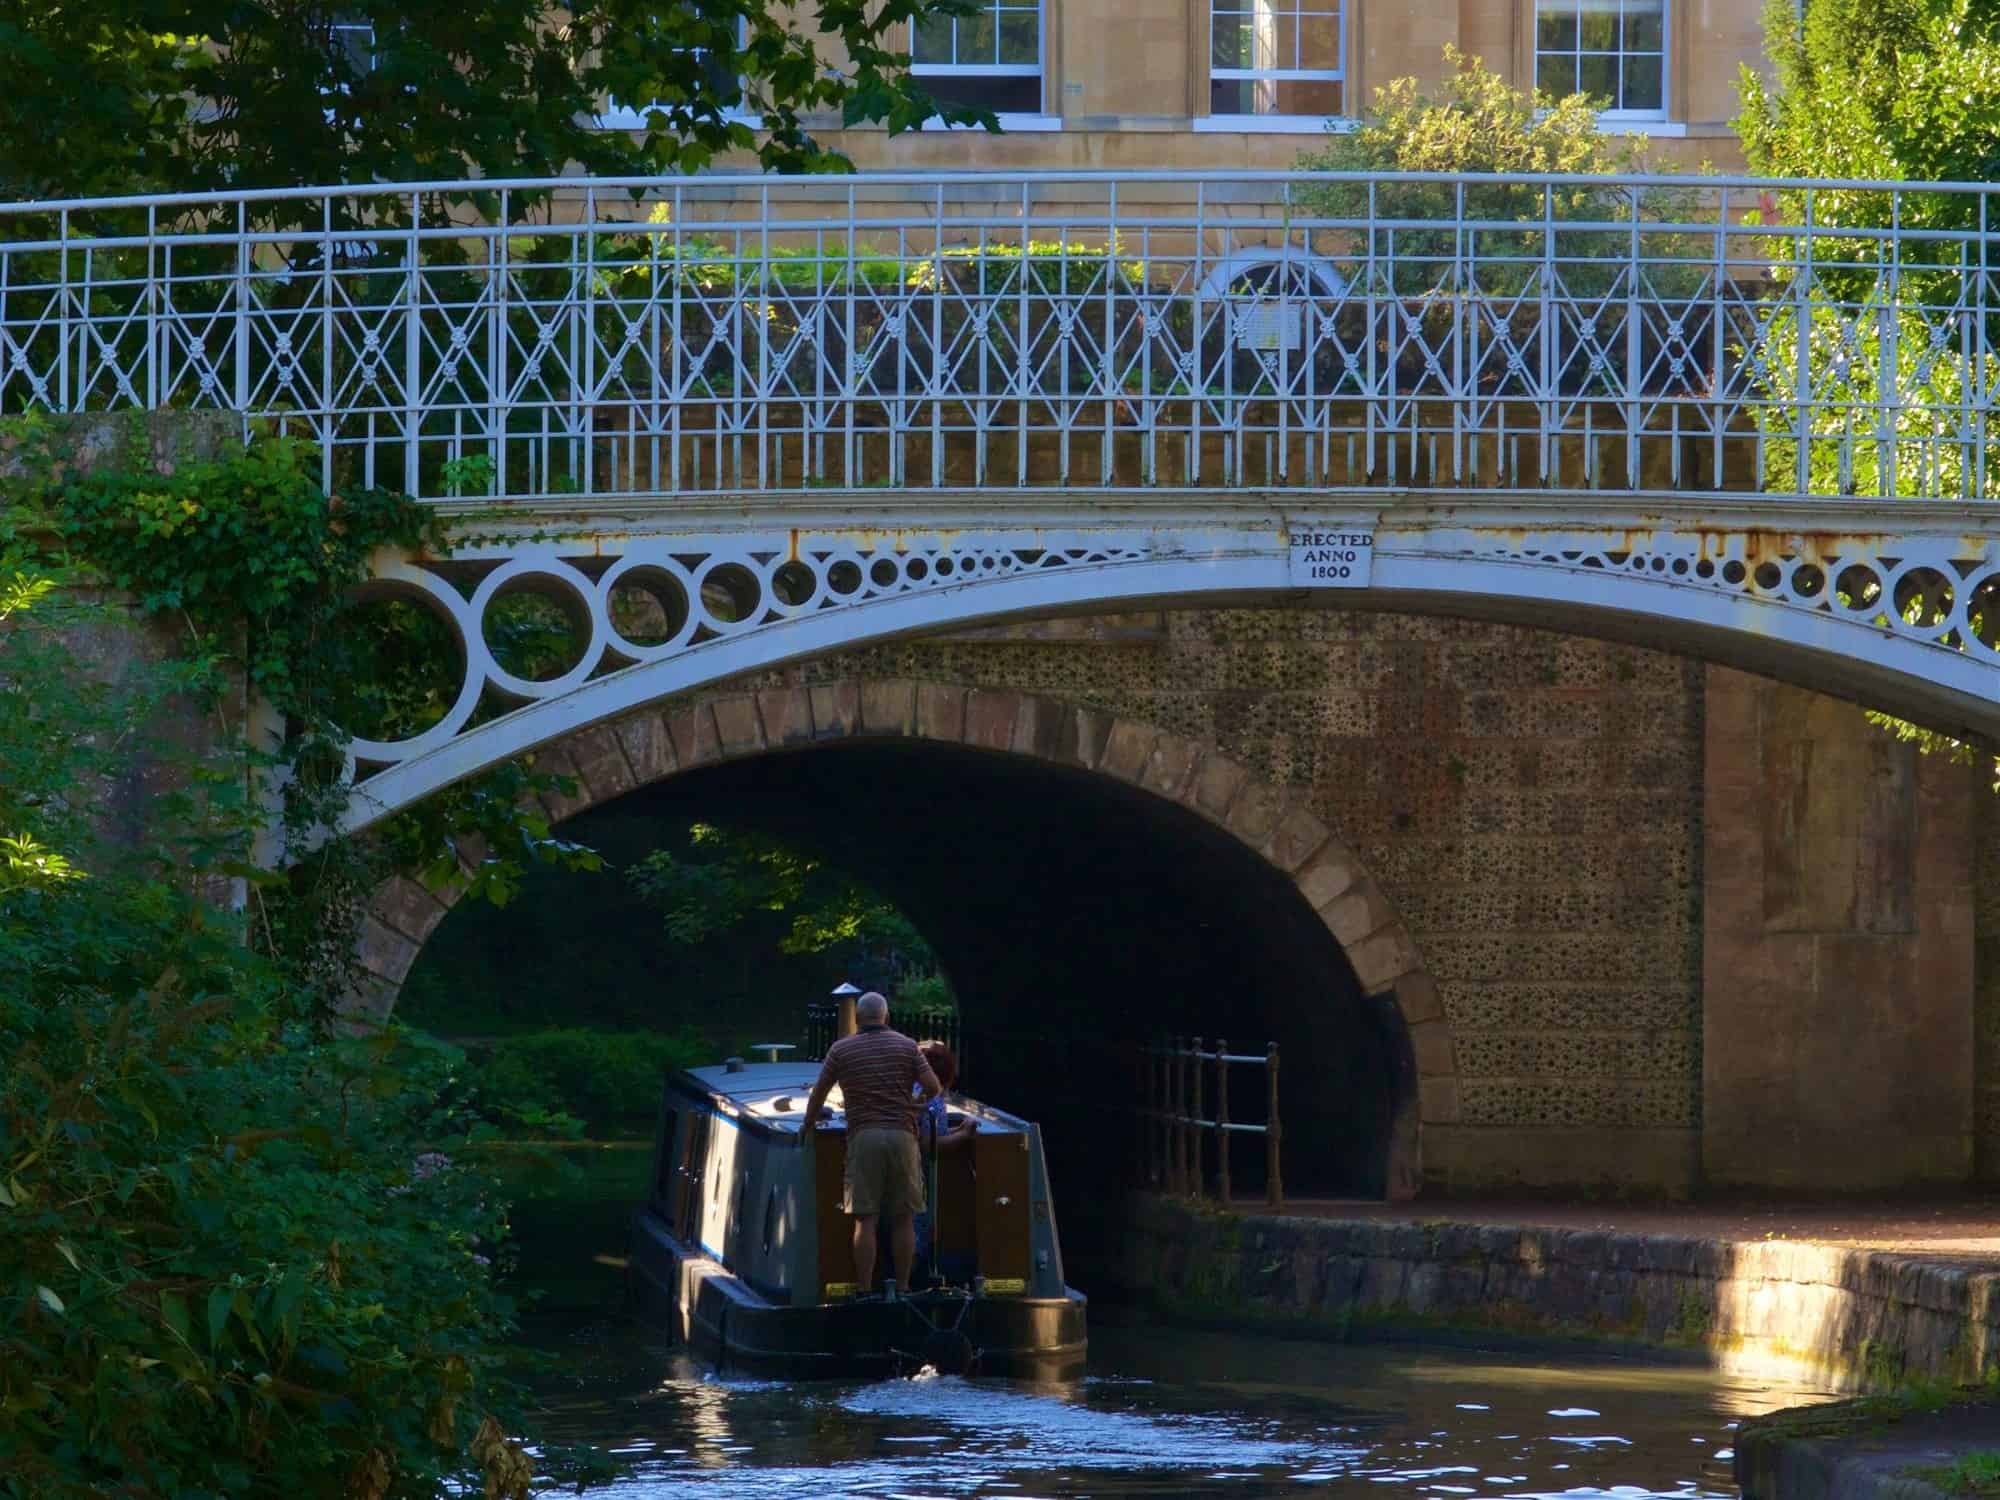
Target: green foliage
(1930, 742)
(1905, 91)
(726, 876)
(484, 833)
(1973, 1473)
(245, 549)
(1882, 90)
(608, 1081)
(930, 993)
(124, 96)
(239, 1254)
(1900, 91)
(1479, 123)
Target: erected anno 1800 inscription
(1331, 559)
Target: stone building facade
(1222, 84)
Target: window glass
(1275, 57)
(353, 37)
(1612, 50)
(991, 59)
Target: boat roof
(775, 1093)
(754, 1080)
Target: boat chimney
(844, 996)
(732, 1065)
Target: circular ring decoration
(632, 570)
(406, 580)
(561, 579)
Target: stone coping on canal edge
(1929, 1445)
(1838, 1317)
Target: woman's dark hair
(938, 1055)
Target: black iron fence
(926, 1025)
(1178, 1078)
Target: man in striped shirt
(878, 1071)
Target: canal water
(1163, 1412)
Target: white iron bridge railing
(719, 335)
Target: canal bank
(1902, 1304)
(1842, 1316)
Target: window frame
(346, 24)
(616, 116)
(1036, 119)
(1277, 123)
(1612, 120)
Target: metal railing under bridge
(1175, 1124)
(593, 339)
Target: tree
(1477, 123)
(124, 96)
(727, 881)
(241, 1251)
(1480, 123)
(1883, 91)
(1879, 90)
(239, 1255)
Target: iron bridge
(1747, 419)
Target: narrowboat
(742, 1250)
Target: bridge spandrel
(1888, 609)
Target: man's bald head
(871, 1009)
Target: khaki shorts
(884, 1174)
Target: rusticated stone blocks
(787, 716)
(649, 748)
(836, 709)
(940, 711)
(889, 707)
(600, 762)
(738, 727)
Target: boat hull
(711, 1310)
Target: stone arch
(609, 759)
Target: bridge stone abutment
(1843, 1043)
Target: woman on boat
(936, 1138)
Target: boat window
(693, 1155)
(664, 1159)
(770, 1218)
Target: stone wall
(1986, 993)
(1838, 956)
(1775, 1309)
(1529, 802)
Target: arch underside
(1194, 797)
(1899, 621)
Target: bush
(239, 1254)
(928, 993)
(609, 1080)
(1479, 123)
